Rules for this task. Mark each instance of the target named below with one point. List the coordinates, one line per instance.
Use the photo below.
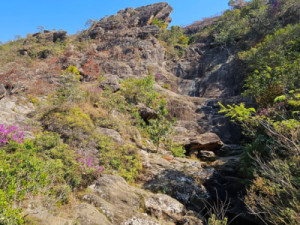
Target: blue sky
(19, 17)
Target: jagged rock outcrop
(110, 200)
(177, 177)
(53, 36)
(124, 204)
(129, 18)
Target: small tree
(112, 101)
(160, 128)
(90, 22)
(139, 90)
(17, 37)
(160, 23)
(40, 29)
(68, 92)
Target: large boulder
(146, 113)
(111, 133)
(179, 178)
(207, 141)
(59, 36)
(111, 82)
(163, 206)
(207, 155)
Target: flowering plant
(87, 165)
(10, 133)
(157, 76)
(98, 89)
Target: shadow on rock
(227, 186)
(180, 186)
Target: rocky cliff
(170, 190)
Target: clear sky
(19, 17)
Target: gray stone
(146, 113)
(111, 133)
(123, 203)
(111, 82)
(128, 18)
(206, 141)
(207, 155)
(59, 35)
(164, 207)
(139, 221)
(89, 215)
(149, 30)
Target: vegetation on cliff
(53, 163)
(88, 125)
(271, 158)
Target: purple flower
(98, 89)
(87, 165)
(8, 133)
(157, 76)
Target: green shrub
(160, 128)
(22, 172)
(123, 159)
(68, 92)
(112, 101)
(139, 90)
(167, 86)
(273, 159)
(43, 165)
(160, 23)
(213, 221)
(70, 123)
(174, 41)
(72, 70)
(248, 23)
(174, 36)
(177, 150)
(273, 65)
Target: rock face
(122, 46)
(14, 111)
(112, 201)
(124, 204)
(139, 17)
(176, 177)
